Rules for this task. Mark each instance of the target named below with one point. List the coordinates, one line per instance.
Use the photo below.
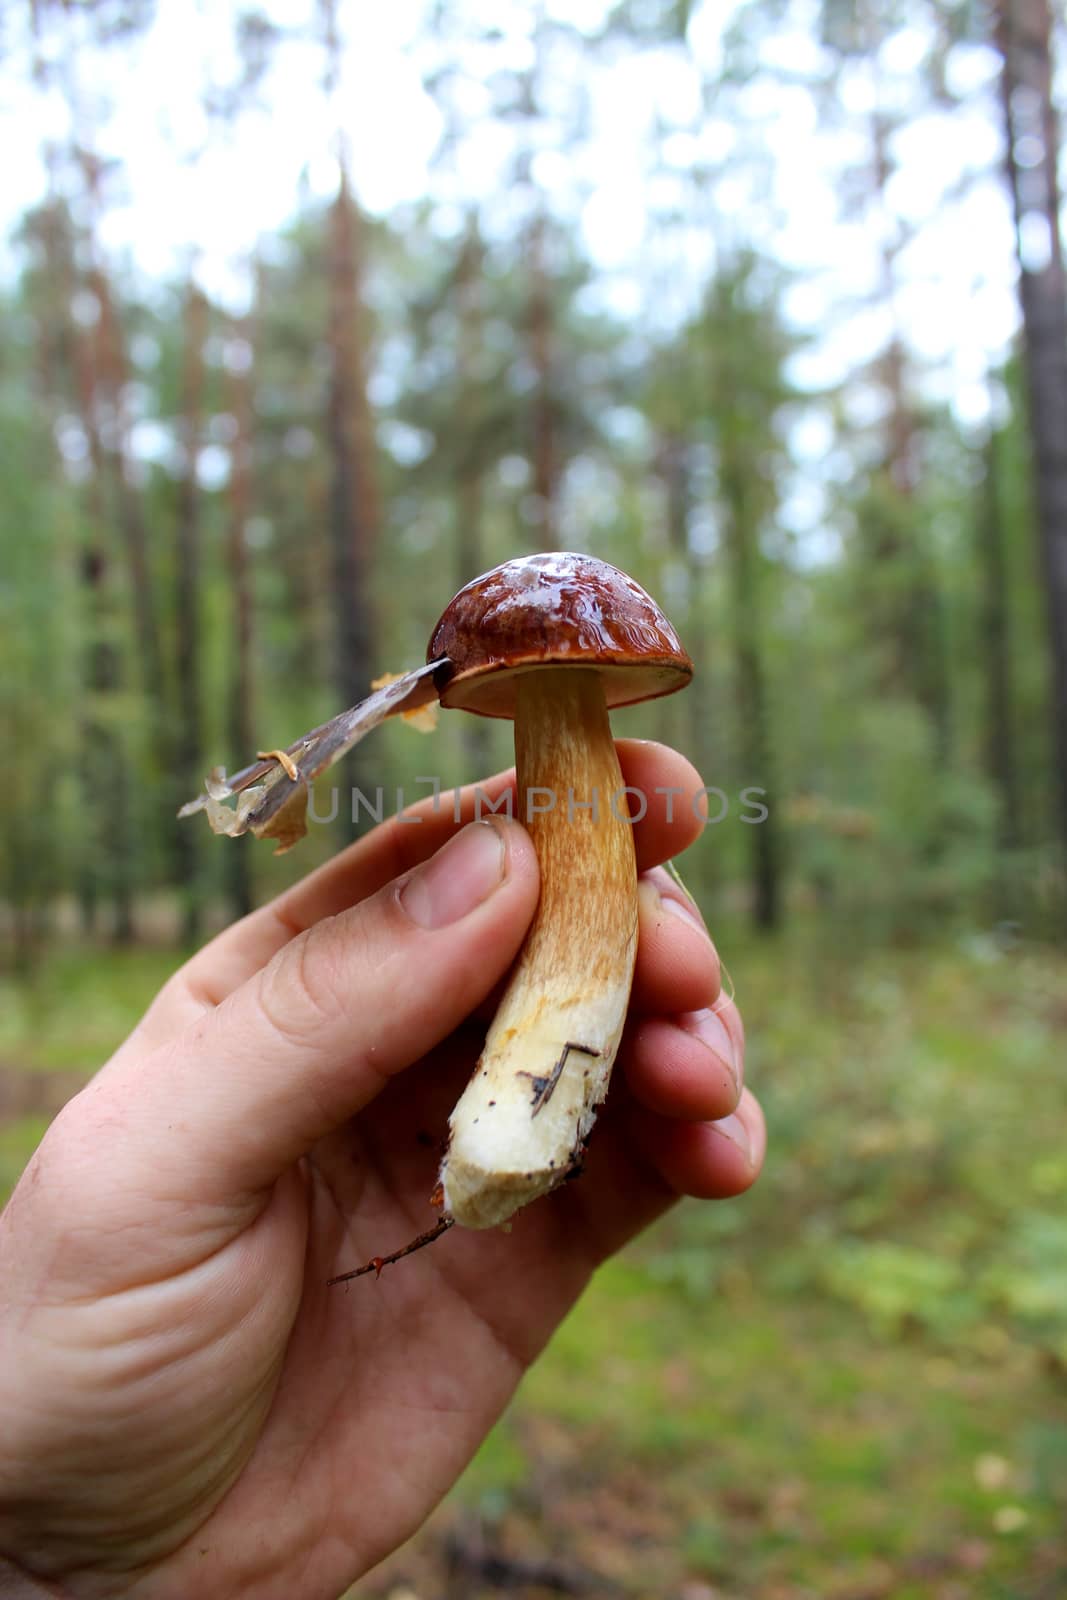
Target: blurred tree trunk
(113, 379)
(743, 551)
(470, 554)
(240, 720)
(544, 443)
(353, 492)
(1032, 145)
(470, 559)
(917, 645)
(544, 446)
(996, 655)
(112, 385)
(742, 345)
(105, 767)
(674, 470)
(900, 590)
(105, 868)
(354, 504)
(187, 752)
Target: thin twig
(376, 1263)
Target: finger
(708, 1160)
(684, 1067)
(669, 789)
(684, 1050)
(677, 966)
(312, 1038)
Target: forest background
(311, 313)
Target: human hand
(185, 1406)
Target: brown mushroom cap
(555, 610)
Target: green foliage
(840, 1373)
(896, 1286)
(78, 1006)
(38, 673)
(18, 1140)
(873, 713)
(1029, 1283)
(907, 1179)
(842, 666)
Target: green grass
(78, 1006)
(18, 1138)
(849, 1384)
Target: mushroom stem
(519, 1125)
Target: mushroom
(553, 642)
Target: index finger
(666, 798)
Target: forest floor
(850, 1385)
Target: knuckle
(310, 985)
(301, 989)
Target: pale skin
(185, 1406)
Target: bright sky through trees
(771, 168)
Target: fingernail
(733, 1128)
(712, 1032)
(665, 895)
(683, 908)
(462, 874)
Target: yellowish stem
(519, 1126)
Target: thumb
(221, 1112)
